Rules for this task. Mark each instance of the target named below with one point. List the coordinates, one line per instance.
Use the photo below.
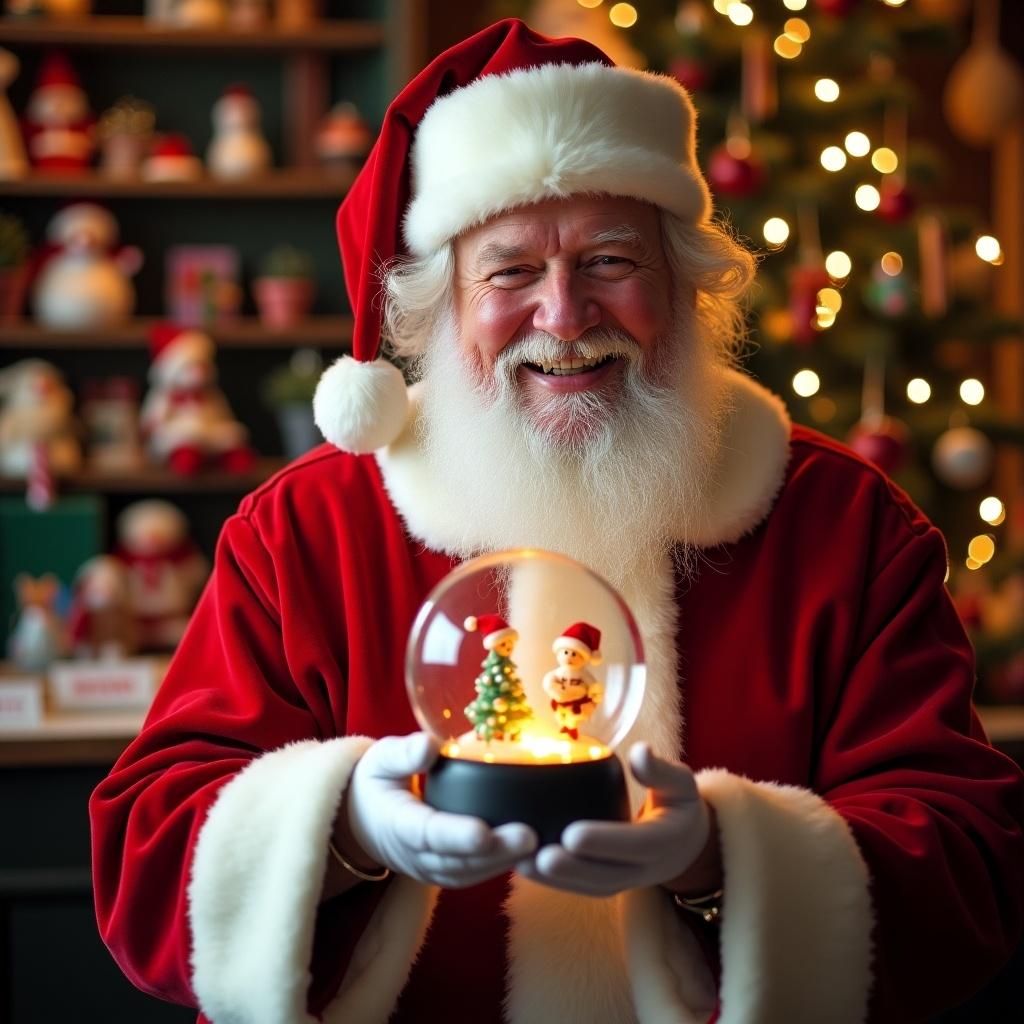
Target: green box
(58, 540)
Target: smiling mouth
(569, 367)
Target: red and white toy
(60, 129)
(165, 570)
(574, 692)
(83, 280)
(102, 624)
(238, 148)
(186, 420)
(36, 420)
(172, 159)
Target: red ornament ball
(895, 205)
(885, 443)
(732, 175)
(837, 8)
(692, 74)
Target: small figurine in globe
(500, 708)
(540, 746)
(574, 692)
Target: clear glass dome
(525, 657)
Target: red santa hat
(170, 345)
(582, 637)
(56, 70)
(494, 629)
(506, 118)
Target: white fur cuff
(256, 880)
(796, 922)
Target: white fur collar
(750, 471)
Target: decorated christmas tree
(500, 707)
(873, 313)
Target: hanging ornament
(895, 203)
(691, 72)
(933, 260)
(759, 88)
(733, 167)
(962, 458)
(807, 278)
(876, 437)
(985, 91)
(888, 295)
(836, 8)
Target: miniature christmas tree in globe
(500, 708)
(531, 740)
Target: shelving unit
(247, 332)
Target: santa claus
(821, 831)
(60, 129)
(185, 418)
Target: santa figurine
(238, 148)
(172, 159)
(186, 420)
(165, 571)
(36, 420)
(83, 278)
(101, 622)
(60, 129)
(574, 692)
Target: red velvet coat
(871, 837)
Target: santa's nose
(565, 308)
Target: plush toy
(38, 636)
(36, 418)
(84, 279)
(59, 127)
(165, 570)
(101, 623)
(238, 148)
(186, 419)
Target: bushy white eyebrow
(623, 234)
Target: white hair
(705, 258)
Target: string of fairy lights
(855, 148)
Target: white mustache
(538, 347)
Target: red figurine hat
(494, 629)
(169, 343)
(582, 637)
(506, 118)
(56, 69)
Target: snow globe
(528, 669)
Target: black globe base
(546, 797)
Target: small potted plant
(285, 289)
(288, 390)
(14, 266)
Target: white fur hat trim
(359, 406)
(549, 132)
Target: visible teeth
(564, 367)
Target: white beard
(614, 486)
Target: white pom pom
(360, 407)
(470, 623)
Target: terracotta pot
(283, 301)
(13, 284)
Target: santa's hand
(394, 828)
(602, 858)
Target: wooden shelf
(281, 183)
(156, 480)
(137, 33)
(248, 332)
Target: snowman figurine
(185, 418)
(59, 127)
(574, 692)
(238, 148)
(85, 280)
(36, 421)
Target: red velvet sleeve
(228, 697)
(935, 810)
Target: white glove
(602, 858)
(395, 828)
